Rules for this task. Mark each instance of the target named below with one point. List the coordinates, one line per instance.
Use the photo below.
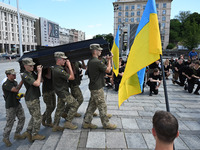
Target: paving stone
(144, 123)
(69, 140)
(192, 141)
(179, 144)
(123, 113)
(135, 140)
(151, 143)
(189, 115)
(129, 124)
(115, 140)
(37, 145)
(96, 140)
(51, 142)
(146, 114)
(182, 126)
(193, 125)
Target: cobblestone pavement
(133, 121)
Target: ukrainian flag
(145, 50)
(115, 51)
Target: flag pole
(165, 89)
(164, 85)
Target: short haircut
(156, 70)
(165, 125)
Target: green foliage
(108, 37)
(175, 31)
(170, 46)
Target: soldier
(96, 72)
(60, 84)
(32, 83)
(13, 107)
(74, 86)
(49, 97)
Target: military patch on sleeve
(62, 71)
(102, 62)
(25, 77)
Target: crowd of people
(63, 80)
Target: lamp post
(19, 27)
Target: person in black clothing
(152, 67)
(166, 68)
(177, 71)
(154, 81)
(195, 79)
(117, 79)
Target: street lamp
(19, 27)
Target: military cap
(96, 47)
(10, 71)
(28, 61)
(60, 55)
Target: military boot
(18, 136)
(38, 137)
(109, 115)
(57, 128)
(89, 126)
(28, 136)
(110, 126)
(64, 115)
(7, 142)
(49, 125)
(95, 114)
(69, 125)
(77, 115)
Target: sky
(90, 16)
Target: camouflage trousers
(50, 101)
(97, 101)
(77, 94)
(11, 113)
(73, 104)
(36, 118)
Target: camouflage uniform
(74, 85)
(96, 72)
(60, 84)
(13, 109)
(32, 101)
(49, 98)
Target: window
(127, 7)
(132, 19)
(132, 7)
(126, 14)
(120, 14)
(163, 32)
(120, 8)
(164, 5)
(157, 5)
(163, 18)
(163, 25)
(132, 14)
(138, 6)
(164, 12)
(157, 12)
(126, 19)
(138, 19)
(138, 13)
(119, 20)
(162, 38)
(144, 6)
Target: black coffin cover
(74, 51)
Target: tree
(183, 15)
(195, 16)
(108, 37)
(175, 31)
(191, 34)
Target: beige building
(128, 12)
(9, 34)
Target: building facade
(128, 12)
(9, 33)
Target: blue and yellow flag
(115, 51)
(145, 50)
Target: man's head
(60, 58)
(96, 49)
(156, 71)
(11, 74)
(165, 127)
(196, 64)
(28, 64)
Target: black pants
(191, 84)
(153, 87)
(182, 80)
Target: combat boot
(89, 126)
(49, 125)
(28, 136)
(110, 126)
(7, 142)
(95, 114)
(64, 115)
(38, 137)
(57, 128)
(43, 122)
(18, 136)
(77, 115)
(69, 125)
(109, 115)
